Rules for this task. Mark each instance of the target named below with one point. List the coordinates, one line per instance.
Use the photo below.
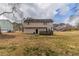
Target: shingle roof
(38, 20)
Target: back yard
(21, 44)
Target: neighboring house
(36, 25)
(5, 24)
(63, 27)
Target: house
(5, 24)
(36, 25)
(62, 27)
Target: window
(45, 23)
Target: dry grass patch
(61, 43)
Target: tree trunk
(0, 30)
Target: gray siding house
(5, 24)
(36, 25)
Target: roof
(5, 21)
(38, 20)
(35, 27)
(3, 17)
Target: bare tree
(14, 9)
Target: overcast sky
(59, 12)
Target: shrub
(46, 32)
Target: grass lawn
(21, 44)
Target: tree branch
(5, 13)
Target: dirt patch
(6, 36)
